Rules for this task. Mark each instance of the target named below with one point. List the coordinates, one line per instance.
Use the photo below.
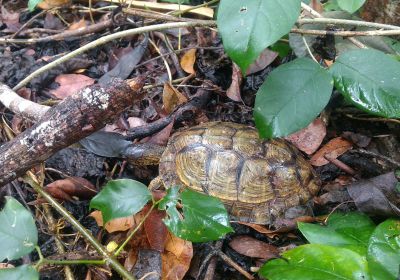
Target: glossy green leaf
(316, 262)
(24, 272)
(18, 233)
(248, 27)
(384, 251)
(291, 97)
(120, 198)
(350, 230)
(350, 6)
(33, 3)
(204, 218)
(370, 80)
(170, 199)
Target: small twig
(308, 49)
(106, 39)
(163, 58)
(373, 119)
(336, 21)
(340, 165)
(229, 261)
(315, 14)
(376, 155)
(346, 33)
(81, 229)
(28, 22)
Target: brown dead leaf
(135, 122)
(78, 25)
(316, 5)
(6, 265)
(119, 224)
(161, 138)
(334, 148)
(233, 91)
(10, 19)
(310, 138)
(50, 4)
(176, 258)
(188, 60)
(155, 229)
(172, 98)
(70, 83)
(72, 186)
(265, 58)
(253, 248)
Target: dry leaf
(72, 186)
(70, 83)
(187, 61)
(155, 229)
(176, 258)
(50, 4)
(334, 148)
(233, 91)
(253, 248)
(10, 19)
(161, 138)
(172, 98)
(78, 25)
(118, 224)
(265, 58)
(310, 138)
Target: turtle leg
(156, 183)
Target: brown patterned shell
(257, 180)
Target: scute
(257, 180)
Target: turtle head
(143, 154)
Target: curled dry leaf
(233, 91)
(73, 186)
(333, 149)
(310, 138)
(253, 248)
(172, 98)
(70, 83)
(188, 60)
(119, 224)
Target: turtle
(257, 180)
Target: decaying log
(71, 120)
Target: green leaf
(170, 199)
(248, 27)
(120, 198)
(205, 218)
(350, 6)
(315, 262)
(32, 4)
(370, 80)
(384, 251)
(291, 97)
(24, 272)
(18, 233)
(350, 230)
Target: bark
(71, 120)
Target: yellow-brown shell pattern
(257, 180)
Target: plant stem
(346, 33)
(82, 230)
(69, 262)
(108, 38)
(135, 230)
(206, 4)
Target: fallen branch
(66, 123)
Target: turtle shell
(257, 180)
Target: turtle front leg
(156, 183)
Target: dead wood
(71, 120)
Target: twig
(63, 35)
(315, 14)
(373, 119)
(28, 22)
(229, 261)
(346, 33)
(308, 49)
(336, 21)
(106, 39)
(114, 263)
(376, 155)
